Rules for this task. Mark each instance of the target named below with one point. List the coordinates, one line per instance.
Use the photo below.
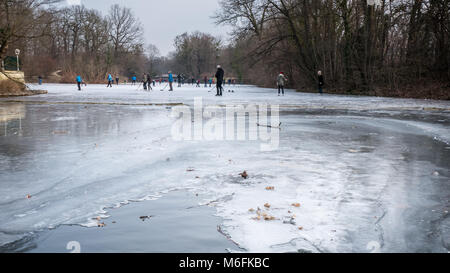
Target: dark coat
(220, 74)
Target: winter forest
(398, 48)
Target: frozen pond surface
(368, 173)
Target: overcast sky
(165, 19)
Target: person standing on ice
(133, 80)
(179, 80)
(170, 81)
(110, 80)
(281, 81)
(149, 82)
(219, 76)
(79, 82)
(321, 81)
(117, 80)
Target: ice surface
(362, 168)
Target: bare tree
(125, 29)
(244, 15)
(196, 53)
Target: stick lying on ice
(269, 126)
(165, 87)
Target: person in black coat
(321, 82)
(219, 76)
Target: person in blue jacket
(110, 80)
(170, 81)
(79, 81)
(134, 80)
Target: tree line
(370, 47)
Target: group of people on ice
(147, 81)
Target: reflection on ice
(10, 112)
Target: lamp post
(17, 54)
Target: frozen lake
(368, 174)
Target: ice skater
(281, 81)
(117, 80)
(133, 80)
(219, 76)
(110, 80)
(179, 80)
(170, 81)
(321, 81)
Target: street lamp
(17, 54)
